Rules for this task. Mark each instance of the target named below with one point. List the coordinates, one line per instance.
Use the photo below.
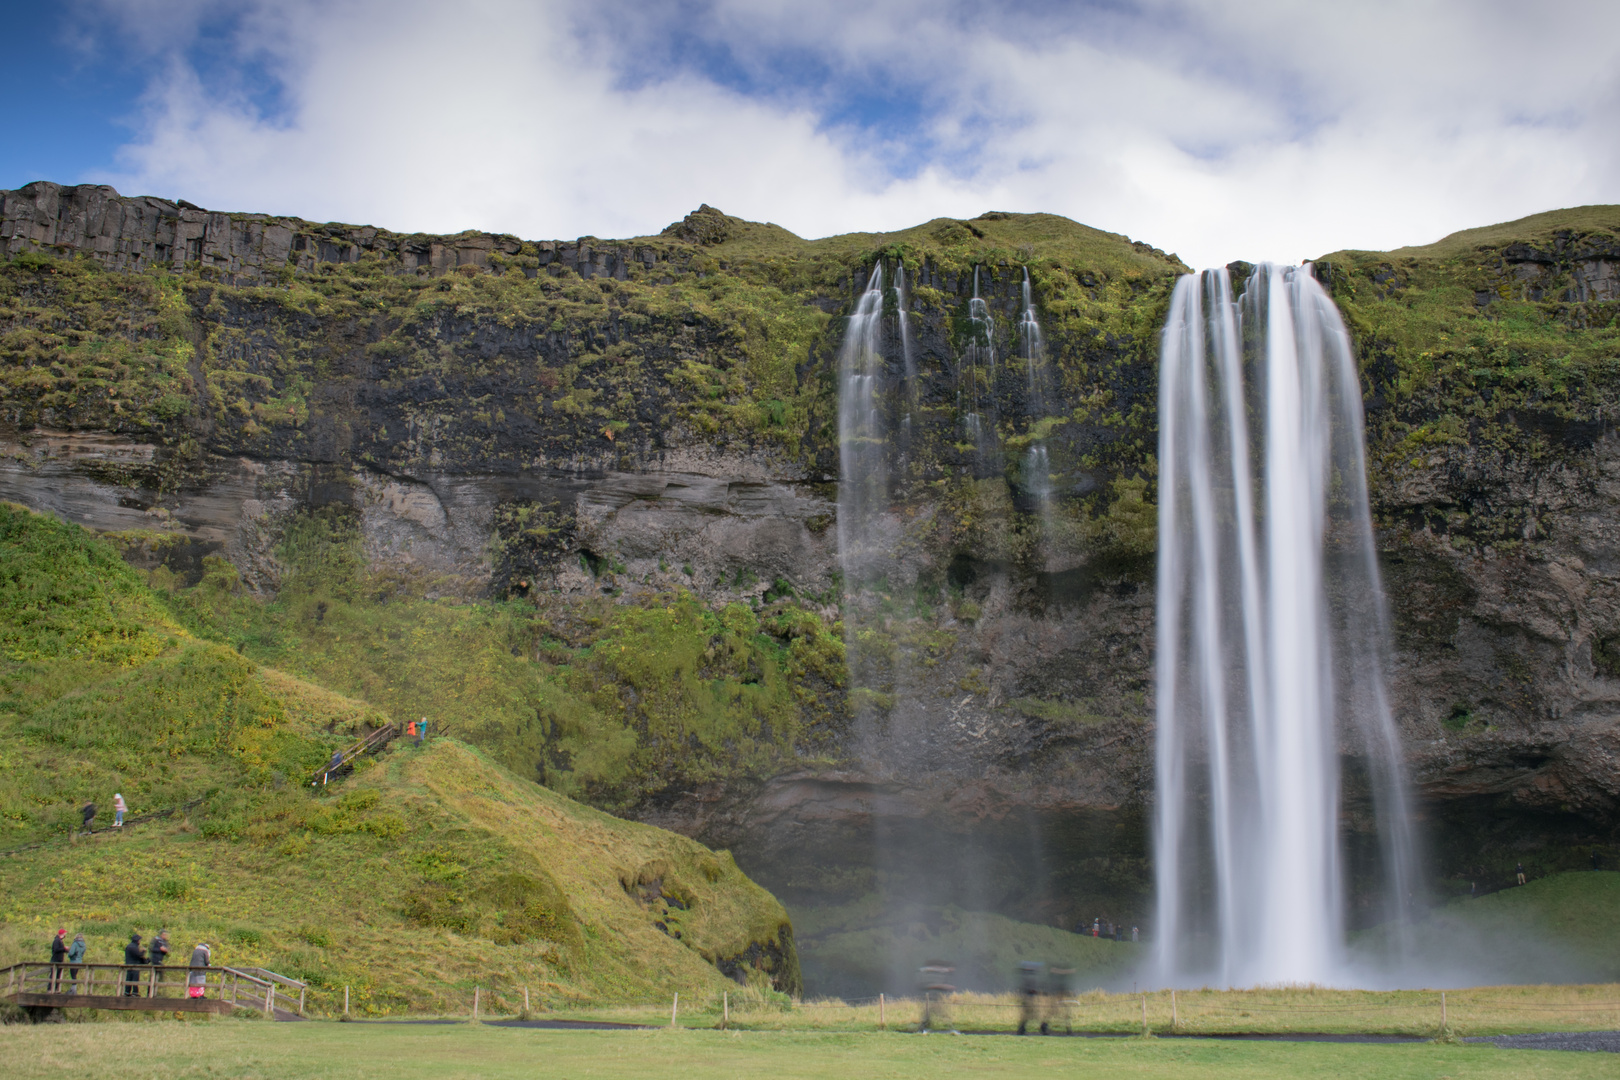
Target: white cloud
(1267, 129)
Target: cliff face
(562, 425)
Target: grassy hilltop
(428, 872)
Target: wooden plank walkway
(40, 987)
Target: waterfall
(907, 354)
(978, 368)
(1034, 353)
(1272, 636)
(862, 443)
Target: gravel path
(1603, 1041)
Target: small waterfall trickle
(1033, 352)
(1272, 636)
(908, 355)
(862, 435)
(978, 371)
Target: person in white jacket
(119, 806)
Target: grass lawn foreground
(236, 1048)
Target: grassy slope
(245, 1049)
(430, 871)
(1561, 928)
(603, 701)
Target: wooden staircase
(345, 764)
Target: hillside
(429, 871)
(1560, 928)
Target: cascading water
(907, 355)
(862, 438)
(1034, 352)
(1271, 636)
(978, 367)
(1037, 463)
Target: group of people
(120, 808)
(138, 959)
(1102, 928)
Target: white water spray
(1271, 636)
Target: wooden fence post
(674, 1007)
(525, 999)
(725, 1009)
(345, 1001)
(1175, 1019)
(475, 1003)
(883, 1023)
(1442, 1011)
(1144, 1015)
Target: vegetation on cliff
(429, 871)
(1488, 354)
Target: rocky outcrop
(93, 221)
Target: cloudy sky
(1220, 130)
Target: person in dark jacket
(157, 952)
(1519, 870)
(133, 955)
(59, 951)
(89, 812)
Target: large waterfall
(1271, 638)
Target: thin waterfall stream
(1272, 637)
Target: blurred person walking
(119, 807)
(1520, 871)
(89, 812)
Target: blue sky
(1271, 129)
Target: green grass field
(224, 1049)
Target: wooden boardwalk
(41, 987)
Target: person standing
(75, 956)
(201, 957)
(134, 956)
(1520, 871)
(421, 730)
(89, 812)
(119, 806)
(158, 952)
(59, 952)
(1134, 935)
(410, 729)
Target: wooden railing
(364, 746)
(137, 986)
(277, 980)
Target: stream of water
(1271, 635)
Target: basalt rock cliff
(633, 445)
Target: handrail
(266, 973)
(354, 751)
